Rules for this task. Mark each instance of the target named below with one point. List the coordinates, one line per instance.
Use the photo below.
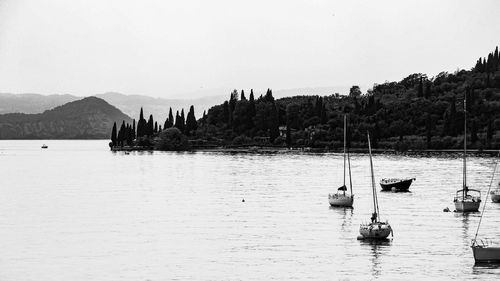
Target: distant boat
(483, 250)
(495, 194)
(45, 146)
(396, 184)
(465, 202)
(375, 229)
(341, 199)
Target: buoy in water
(243, 200)
(446, 210)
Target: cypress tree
(141, 125)
(133, 129)
(225, 112)
(113, 134)
(170, 118)
(232, 105)
(121, 133)
(269, 96)
(150, 126)
(159, 129)
(183, 121)
(156, 127)
(191, 124)
(318, 106)
(243, 95)
(130, 136)
(251, 110)
(177, 120)
(496, 56)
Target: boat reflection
(377, 249)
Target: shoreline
(273, 149)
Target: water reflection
(465, 218)
(345, 216)
(377, 249)
(486, 268)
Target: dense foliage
(417, 112)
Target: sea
(78, 211)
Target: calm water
(77, 211)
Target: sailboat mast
(465, 189)
(375, 203)
(344, 145)
(348, 158)
(350, 177)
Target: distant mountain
(31, 103)
(159, 107)
(88, 118)
(131, 104)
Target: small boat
(376, 229)
(483, 250)
(396, 184)
(341, 199)
(464, 201)
(495, 194)
(45, 146)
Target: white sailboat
(483, 250)
(375, 229)
(466, 199)
(341, 198)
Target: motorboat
(495, 194)
(396, 184)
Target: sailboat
(466, 199)
(375, 229)
(482, 250)
(341, 198)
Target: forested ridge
(418, 112)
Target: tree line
(417, 112)
(143, 135)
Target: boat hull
(495, 196)
(340, 200)
(467, 206)
(486, 254)
(398, 186)
(377, 230)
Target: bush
(172, 139)
(144, 141)
(241, 140)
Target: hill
(88, 118)
(417, 112)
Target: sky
(183, 48)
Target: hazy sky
(169, 48)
